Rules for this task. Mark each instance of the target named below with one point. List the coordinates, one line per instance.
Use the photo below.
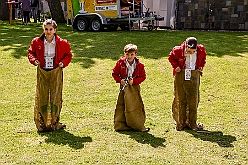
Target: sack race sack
(186, 99)
(48, 99)
(129, 112)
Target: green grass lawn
(90, 94)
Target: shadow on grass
(145, 138)
(62, 137)
(109, 45)
(216, 137)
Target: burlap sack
(186, 99)
(48, 99)
(129, 112)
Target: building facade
(212, 14)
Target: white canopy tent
(164, 8)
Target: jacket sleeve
(173, 58)
(32, 56)
(116, 72)
(141, 75)
(67, 56)
(203, 56)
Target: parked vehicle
(95, 15)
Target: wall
(212, 14)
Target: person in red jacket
(129, 72)
(51, 54)
(187, 61)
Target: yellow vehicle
(95, 15)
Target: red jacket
(177, 57)
(120, 71)
(62, 52)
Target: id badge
(49, 62)
(187, 74)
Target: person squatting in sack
(51, 54)
(130, 73)
(187, 61)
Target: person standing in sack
(130, 73)
(187, 61)
(51, 54)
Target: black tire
(96, 25)
(150, 27)
(82, 24)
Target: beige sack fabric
(129, 112)
(186, 99)
(48, 99)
